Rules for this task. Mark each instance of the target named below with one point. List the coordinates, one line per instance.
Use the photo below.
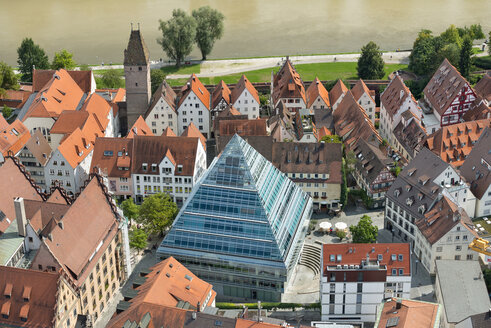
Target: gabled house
(453, 143)
(337, 93)
(317, 96)
(417, 188)
(476, 171)
(448, 94)
(372, 171)
(408, 136)
(13, 137)
(90, 251)
(166, 164)
(116, 98)
(365, 98)
(33, 298)
(292, 127)
(407, 312)
(444, 234)
(139, 128)
(394, 102)
(220, 100)
(483, 89)
(162, 112)
(287, 87)
(352, 123)
(192, 132)
(34, 156)
(194, 106)
(245, 98)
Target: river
(97, 31)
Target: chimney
(398, 304)
(258, 311)
(20, 215)
(193, 315)
(198, 308)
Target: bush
(482, 62)
(360, 193)
(6, 111)
(341, 234)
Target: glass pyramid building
(243, 226)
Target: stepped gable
(136, 53)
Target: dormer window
(144, 166)
(154, 167)
(397, 192)
(421, 209)
(179, 168)
(408, 187)
(409, 201)
(8, 290)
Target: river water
(97, 30)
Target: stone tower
(137, 75)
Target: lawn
(487, 227)
(186, 69)
(308, 72)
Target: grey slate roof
(137, 52)
(370, 160)
(424, 167)
(410, 136)
(463, 290)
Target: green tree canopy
(8, 79)
(63, 59)
(6, 111)
(110, 79)
(450, 51)
(370, 64)
(138, 239)
(209, 28)
(331, 139)
(465, 57)
(30, 55)
(157, 212)
(451, 35)
(156, 78)
(130, 209)
(178, 35)
(421, 59)
(364, 231)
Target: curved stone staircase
(311, 257)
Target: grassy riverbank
(308, 72)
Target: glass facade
(243, 226)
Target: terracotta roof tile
(164, 92)
(60, 93)
(13, 138)
(68, 121)
(220, 92)
(324, 132)
(244, 84)
(168, 132)
(76, 147)
(444, 86)
(410, 314)
(14, 98)
(359, 89)
(83, 79)
(315, 90)
(394, 96)
(359, 253)
(483, 88)
(337, 91)
(76, 245)
(13, 184)
(457, 139)
(3, 123)
(159, 315)
(98, 106)
(112, 153)
(39, 213)
(41, 290)
(192, 131)
(140, 128)
(194, 85)
(243, 127)
(287, 84)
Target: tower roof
(242, 207)
(137, 52)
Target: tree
(157, 212)
(8, 79)
(341, 234)
(421, 59)
(6, 111)
(343, 199)
(110, 79)
(331, 139)
(30, 55)
(63, 59)
(138, 239)
(370, 64)
(209, 28)
(178, 35)
(465, 57)
(364, 231)
(130, 209)
(450, 51)
(156, 78)
(451, 35)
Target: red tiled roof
(337, 91)
(14, 98)
(166, 93)
(288, 84)
(168, 132)
(483, 87)
(359, 89)
(454, 142)
(99, 107)
(140, 128)
(192, 131)
(220, 92)
(317, 89)
(323, 132)
(411, 314)
(13, 138)
(444, 87)
(68, 121)
(83, 79)
(111, 153)
(244, 84)
(243, 127)
(76, 147)
(356, 253)
(60, 93)
(394, 96)
(39, 288)
(195, 85)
